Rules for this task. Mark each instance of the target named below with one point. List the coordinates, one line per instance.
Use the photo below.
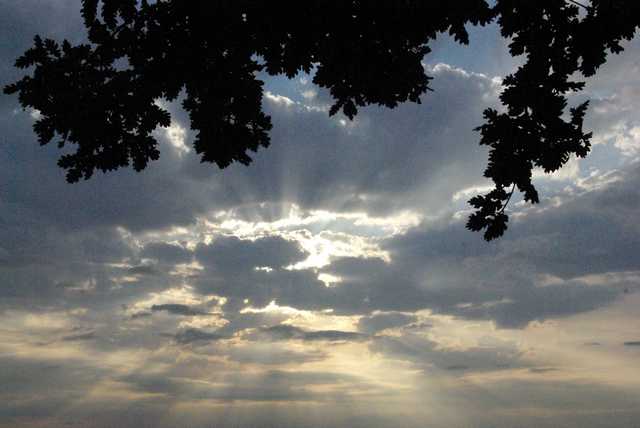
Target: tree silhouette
(101, 96)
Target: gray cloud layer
(108, 287)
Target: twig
(513, 188)
(579, 4)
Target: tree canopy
(101, 96)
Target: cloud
(370, 175)
(264, 386)
(289, 332)
(457, 367)
(138, 315)
(228, 255)
(442, 267)
(356, 165)
(166, 252)
(540, 370)
(270, 354)
(35, 388)
(79, 337)
(143, 270)
(333, 336)
(178, 309)
(375, 206)
(381, 321)
(429, 356)
(196, 336)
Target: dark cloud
(335, 170)
(375, 323)
(459, 367)
(144, 270)
(138, 315)
(334, 336)
(540, 370)
(196, 336)
(40, 196)
(33, 388)
(178, 309)
(362, 159)
(443, 267)
(314, 161)
(166, 253)
(80, 336)
(271, 385)
(427, 355)
(289, 332)
(230, 270)
(228, 255)
(446, 269)
(273, 355)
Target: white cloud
(176, 135)
(280, 100)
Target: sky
(330, 284)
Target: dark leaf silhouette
(101, 97)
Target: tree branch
(579, 4)
(513, 188)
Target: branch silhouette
(100, 97)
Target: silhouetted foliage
(101, 96)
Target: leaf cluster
(101, 97)
(560, 40)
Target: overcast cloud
(331, 283)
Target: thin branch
(579, 4)
(513, 188)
